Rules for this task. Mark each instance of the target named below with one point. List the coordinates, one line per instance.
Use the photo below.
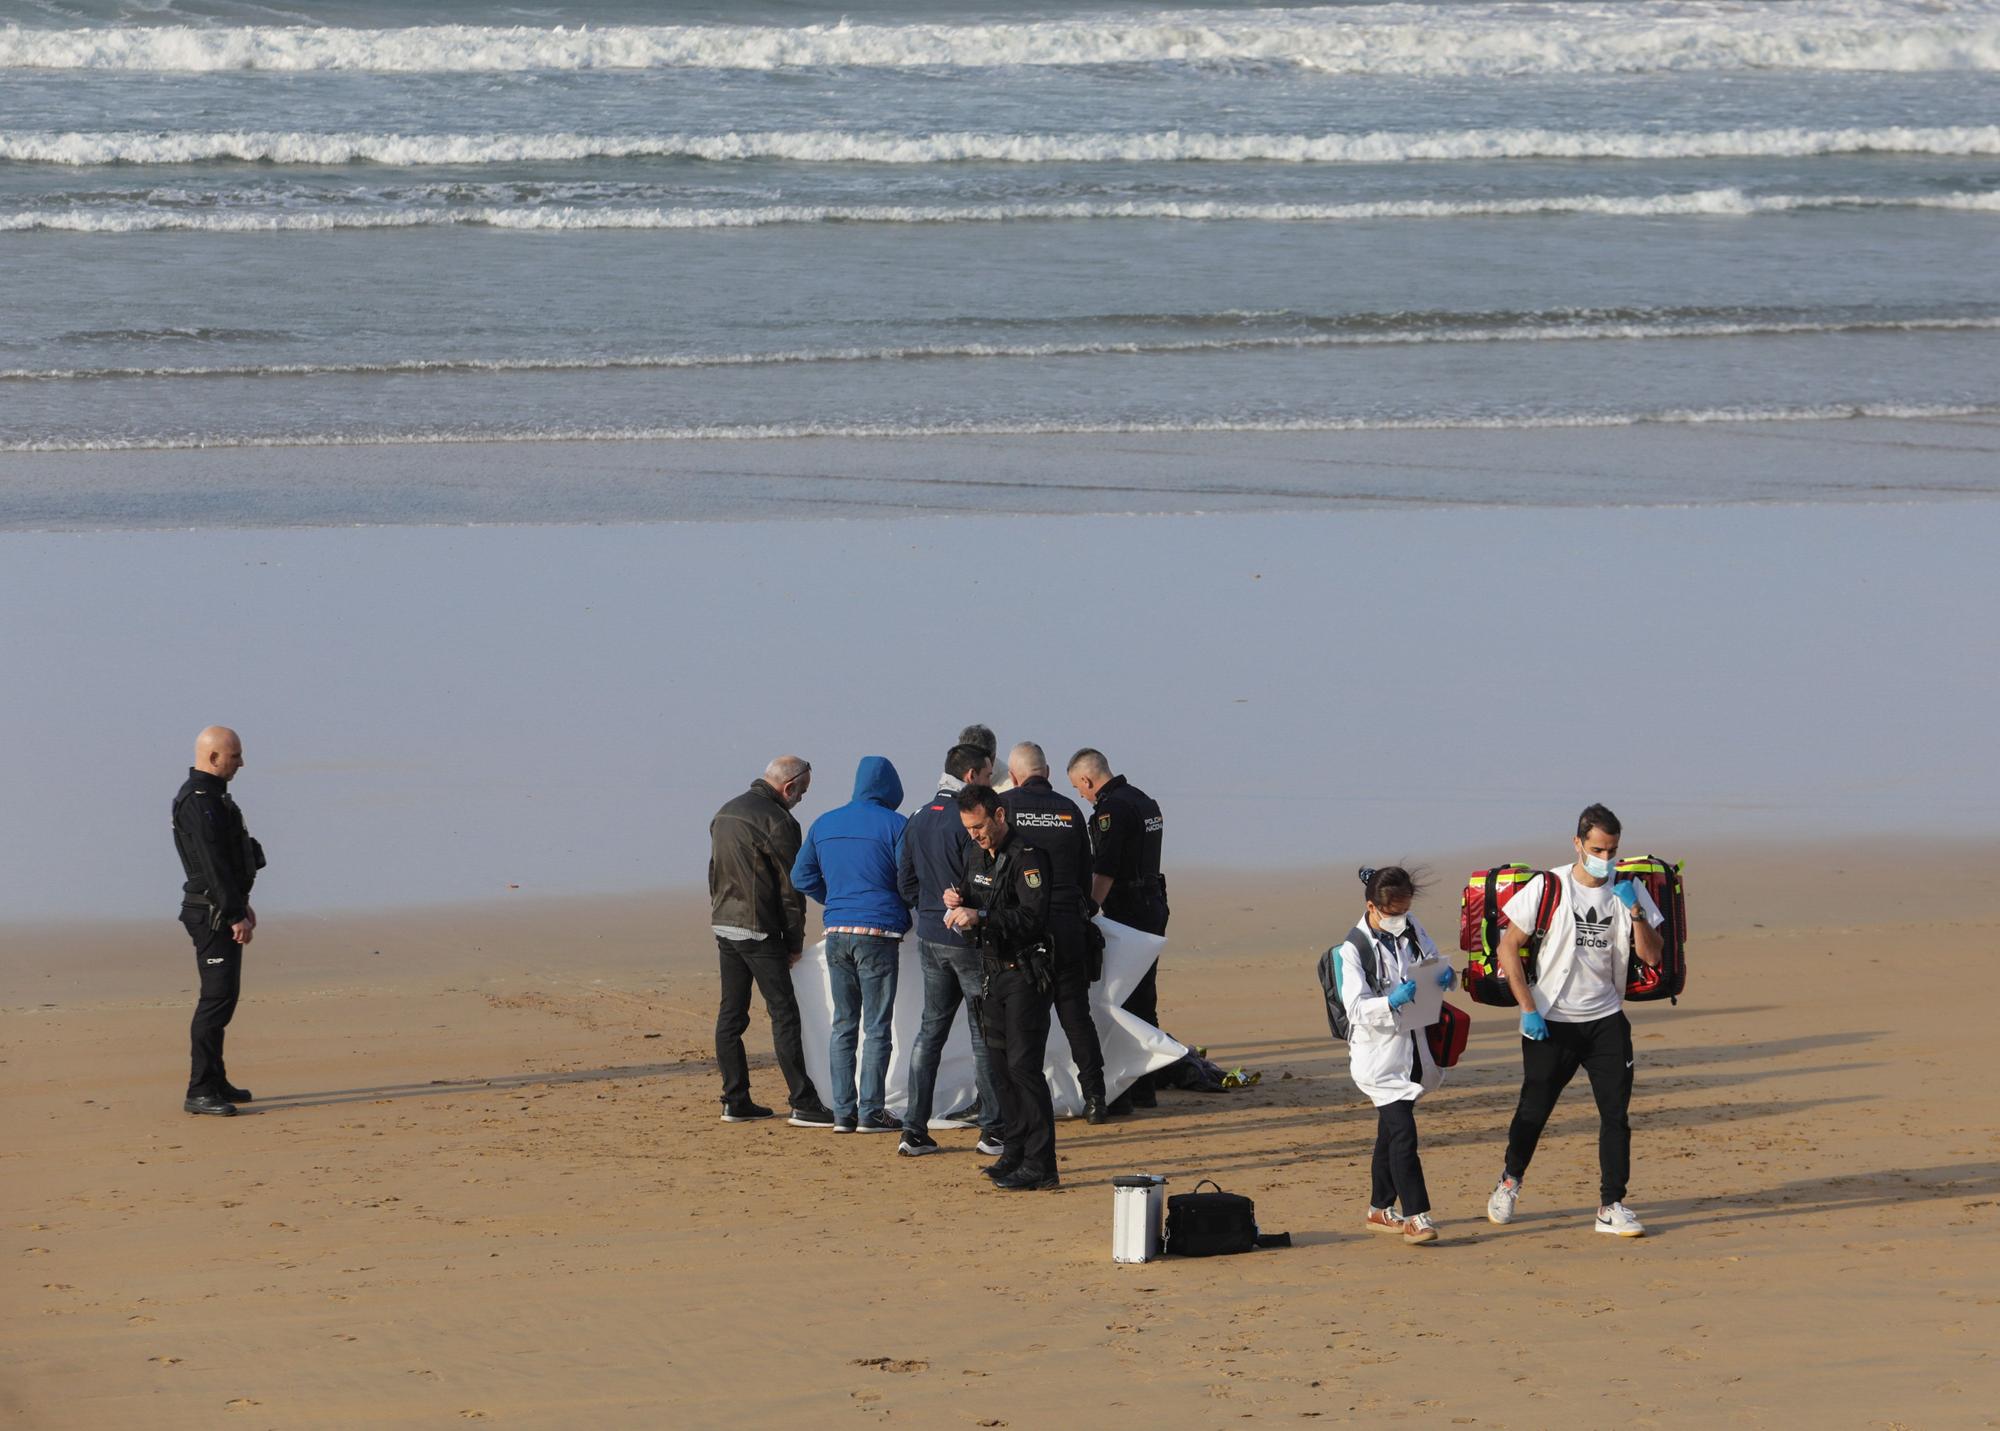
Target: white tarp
(1131, 1045)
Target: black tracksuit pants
(1072, 988)
(1015, 1017)
(218, 959)
(1602, 1048)
(761, 963)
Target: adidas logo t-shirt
(1589, 943)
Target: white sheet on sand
(1131, 1045)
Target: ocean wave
(1727, 202)
(1394, 39)
(840, 146)
(1826, 412)
(1419, 332)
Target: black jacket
(1011, 889)
(1054, 825)
(1126, 833)
(752, 843)
(933, 860)
(217, 854)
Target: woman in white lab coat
(1394, 1068)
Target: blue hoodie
(848, 861)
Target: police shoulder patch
(1103, 822)
(1034, 878)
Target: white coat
(1377, 1055)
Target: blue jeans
(951, 973)
(863, 967)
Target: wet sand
(484, 1180)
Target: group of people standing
(1571, 1013)
(1000, 882)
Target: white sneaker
(1500, 1206)
(1620, 1221)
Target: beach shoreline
(484, 1179)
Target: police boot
(1093, 1110)
(232, 1094)
(210, 1104)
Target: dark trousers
(1016, 1016)
(218, 959)
(1072, 988)
(1602, 1048)
(762, 962)
(1397, 1175)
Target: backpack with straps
(1329, 978)
(1480, 922)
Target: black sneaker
(210, 1104)
(963, 1118)
(817, 1116)
(745, 1112)
(917, 1144)
(879, 1122)
(843, 1124)
(1027, 1180)
(989, 1145)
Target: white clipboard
(1422, 1012)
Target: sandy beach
(484, 1179)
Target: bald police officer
(1126, 834)
(220, 862)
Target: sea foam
(841, 146)
(1726, 202)
(1394, 39)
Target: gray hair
(981, 736)
(1027, 759)
(785, 769)
(1090, 762)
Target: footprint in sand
(241, 1403)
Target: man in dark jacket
(1126, 834)
(220, 861)
(1054, 824)
(933, 861)
(848, 863)
(760, 928)
(1004, 909)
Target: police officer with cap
(1053, 823)
(1004, 909)
(1126, 832)
(221, 862)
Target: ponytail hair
(1390, 882)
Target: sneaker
(878, 1122)
(818, 1116)
(1419, 1229)
(844, 1124)
(1500, 1206)
(744, 1112)
(917, 1143)
(990, 1147)
(1384, 1219)
(963, 1118)
(1620, 1221)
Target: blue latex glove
(1534, 1026)
(1627, 892)
(1447, 976)
(1403, 993)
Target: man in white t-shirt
(1573, 1013)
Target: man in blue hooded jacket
(848, 864)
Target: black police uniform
(221, 863)
(1053, 823)
(1126, 832)
(1011, 889)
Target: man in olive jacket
(760, 928)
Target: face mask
(1596, 868)
(1393, 923)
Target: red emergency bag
(1480, 923)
